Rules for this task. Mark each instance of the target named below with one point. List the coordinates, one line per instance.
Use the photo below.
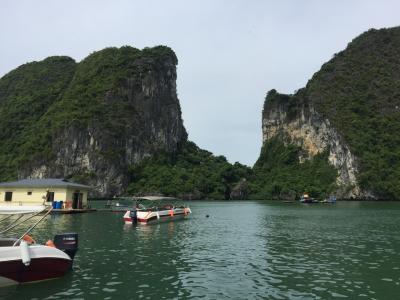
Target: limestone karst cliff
(111, 110)
(301, 125)
(350, 111)
(112, 121)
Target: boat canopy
(150, 198)
(155, 198)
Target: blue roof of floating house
(45, 183)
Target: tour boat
(307, 199)
(155, 209)
(23, 261)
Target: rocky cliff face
(298, 123)
(120, 107)
(349, 108)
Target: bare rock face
(240, 191)
(136, 115)
(297, 122)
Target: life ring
(171, 212)
(27, 238)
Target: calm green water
(244, 250)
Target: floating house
(44, 192)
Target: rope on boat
(22, 221)
(6, 218)
(15, 224)
(33, 226)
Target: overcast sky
(230, 52)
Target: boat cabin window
(29, 193)
(8, 196)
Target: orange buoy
(171, 212)
(50, 243)
(28, 239)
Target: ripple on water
(108, 290)
(114, 283)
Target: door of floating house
(77, 199)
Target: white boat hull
(34, 263)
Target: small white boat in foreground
(156, 209)
(22, 263)
(22, 260)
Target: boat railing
(19, 221)
(6, 218)
(33, 226)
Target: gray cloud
(230, 52)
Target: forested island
(113, 121)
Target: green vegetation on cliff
(279, 175)
(359, 92)
(40, 99)
(191, 173)
(26, 94)
(90, 98)
(103, 72)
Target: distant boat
(156, 209)
(305, 198)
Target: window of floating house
(8, 196)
